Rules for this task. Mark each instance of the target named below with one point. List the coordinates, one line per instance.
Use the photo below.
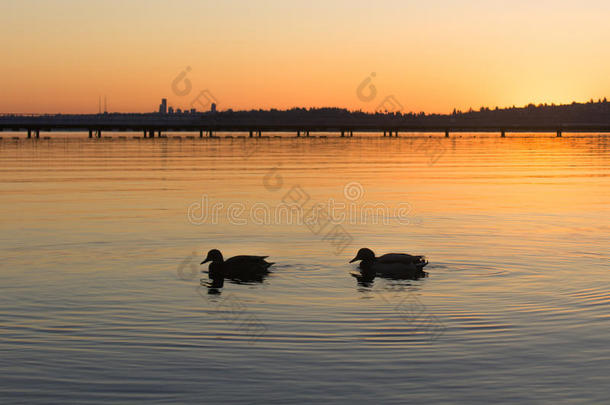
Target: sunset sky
(433, 56)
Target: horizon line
(455, 110)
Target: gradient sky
(433, 56)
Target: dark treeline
(591, 113)
(543, 114)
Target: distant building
(178, 111)
(193, 110)
(170, 110)
(163, 106)
(213, 108)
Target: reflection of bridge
(151, 126)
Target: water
(101, 300)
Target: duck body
(246, 264)
(418, 261)
(237, 266)
(398, 265)
(391, 269)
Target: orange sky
(60, 56)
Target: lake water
(101, 300)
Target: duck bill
(205, 261)
(354, 259)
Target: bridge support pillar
(90, 133)
(351, 133)
(396, 134)
(201, 133)
(29, 133)
(559, 133)
(298, 134)
(503, 135)
(342, 134)
(151, 134)
(446, 133)
(251, 134)
(307, 134)
(260, 133)
(37, 134)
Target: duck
(391, 264)
(238, 267)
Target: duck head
(214, 255)
(364, 254)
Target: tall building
(163, 106)
(213, 107)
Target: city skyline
(431, 58)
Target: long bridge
(151, 126)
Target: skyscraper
(163, 106)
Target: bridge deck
(35, 125)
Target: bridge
(152, 125)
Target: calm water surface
(101, 300)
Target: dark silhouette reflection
(214, 286)
(216, 283)
(366, 278)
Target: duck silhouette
(239, 268)
(391, 265)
